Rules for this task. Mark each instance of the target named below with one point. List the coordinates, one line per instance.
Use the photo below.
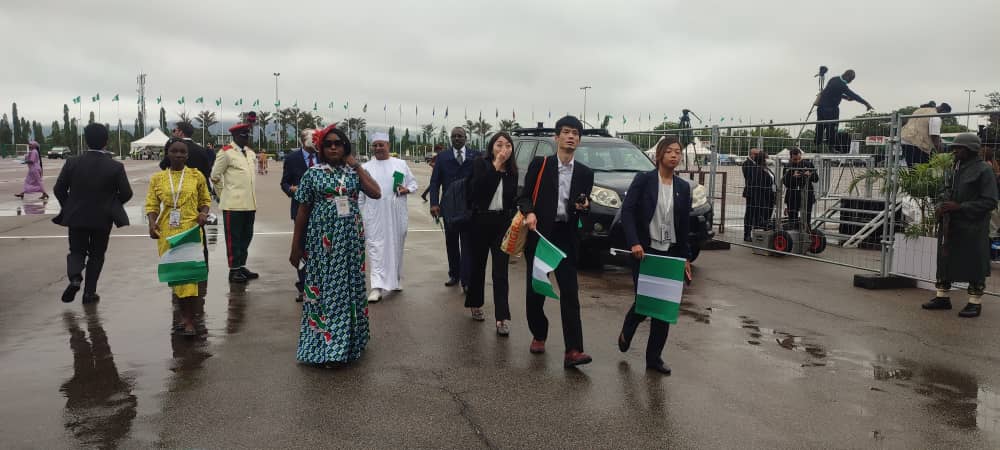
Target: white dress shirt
(565, 177)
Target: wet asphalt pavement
(769, 353)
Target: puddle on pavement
(954, 396)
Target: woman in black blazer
(646, 215)
(492, 189)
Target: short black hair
(794, 151)
(96, 136)
(186, 129)
(569, 121)
(944, 108)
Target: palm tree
(206, 120)
(264, 119)
(483, 128)
(508, 125)
(185, 118)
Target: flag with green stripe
(184, 262)
(547, 258)
(660, 286)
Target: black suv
(615, 163)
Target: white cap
(380, 136)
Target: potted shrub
(915, 249)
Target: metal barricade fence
(851, 201)
(913, 249)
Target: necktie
(312, 160)
(459, 156)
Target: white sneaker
(375, 295)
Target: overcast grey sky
(719, 58)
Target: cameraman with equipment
(799, 176)
(828, 106)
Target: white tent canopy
(152, 143)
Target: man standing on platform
(386, 218)
(451, 165)
(233, 177)
(295, 165)
(91, 190)
(828, 106)
(563, 197)
(964, 227)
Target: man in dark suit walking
(92, 189)
(563, 196)
(293, 168)
(451, 165)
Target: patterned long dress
(335, 311)
(33, 181)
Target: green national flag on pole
(277, 103)
(347, 105)
(294, 105)
(547, 258)
(256, 102)
(315, 106)
(138, 101)
(331, 105)
(159, 99)
(76, 100)
(95, 98)
(660, 287)
(218, 101)
(184, 261)
(199, 100)
(180, 101)
(115, 98)
(238, 102)
(364, 109)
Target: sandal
(477, 315)
(45, 196)
(21, 195)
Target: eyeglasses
(337, 143)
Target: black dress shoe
(971, 310)
(70, 293)
(299, 298)
(451, 282)
(237, 276)
(250, 275)
(91, 298)
(661, 368)
(938, 303)
(625, 341)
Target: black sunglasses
(337, 143)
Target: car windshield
(613, 157)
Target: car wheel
(590, 258)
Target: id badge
(343, 206)
(175, 218)
(668, 234)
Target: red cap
(239, 127)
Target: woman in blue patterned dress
(330, 239)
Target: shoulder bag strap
(538, 182)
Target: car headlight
(699, 196)
(605, 197)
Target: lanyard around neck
(175, 195)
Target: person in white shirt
(386, 218)
(921, 136)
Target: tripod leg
(803, 129)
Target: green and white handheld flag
(547, 258)
(184, 261)
(661, 285)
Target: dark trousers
(563, 236)
(793, 216)
(757, 215)
(487, 232)
(976, 288)
(86, 251)
(301, 283)
(658, 329)
(239, 233)
(914, 155)
(456, 242)
(827, 129)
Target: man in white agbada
(386, 218)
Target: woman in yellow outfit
(185, 190)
